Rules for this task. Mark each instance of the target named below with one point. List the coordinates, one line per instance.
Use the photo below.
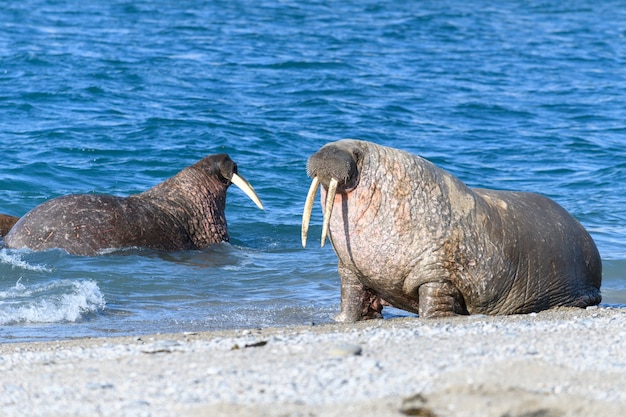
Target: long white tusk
(247, 188)
(308, 208)
(328, 209)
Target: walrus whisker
(308, 208)
(328, 209)
(247, 188)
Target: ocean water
(115, 97)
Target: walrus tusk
(308, 208)
(328, 209)
(247, 188)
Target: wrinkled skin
(411, 235)
(6, 223)
(183, 212)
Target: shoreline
(562, 362)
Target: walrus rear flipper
(6, 223)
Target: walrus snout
(339, 160)
(336, 167)
(332, 163)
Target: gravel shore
(566, 362)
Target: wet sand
(566, 362)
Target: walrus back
(560, 264)
(84, 224)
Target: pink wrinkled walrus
(411, 235)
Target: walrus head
(224, 168)
(337, 167)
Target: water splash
(50, 302)
(15, 260)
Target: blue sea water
(114, 97)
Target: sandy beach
(566, 362)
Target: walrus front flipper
(6, 223)
(357, 301)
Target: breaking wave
(50, 302)
(14, 259)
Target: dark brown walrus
(183, 212)
(412, 235)
(6, 223)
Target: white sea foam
(15, 260)
(56, 301)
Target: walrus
(182, 213)
(411, 235)
(6, 223)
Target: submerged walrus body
(412, 235)
(183, 212)
(6, 223)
